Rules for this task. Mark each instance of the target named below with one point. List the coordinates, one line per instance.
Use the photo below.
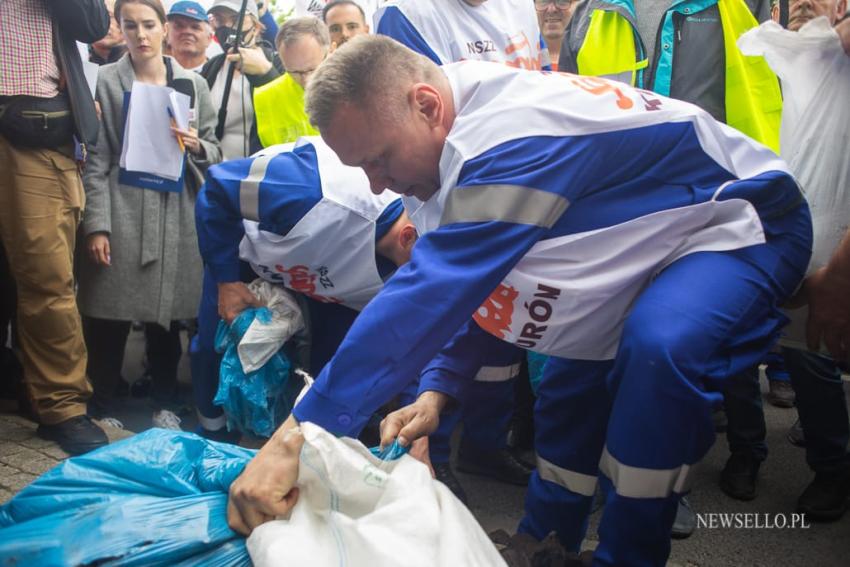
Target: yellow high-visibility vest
(279, 108)
(753, 98)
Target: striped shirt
(28, 63)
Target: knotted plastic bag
(254, 401)
(265, 336)
(157, 498)
(356, 509)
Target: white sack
(262, 340)
(356, 510)
(814, 138)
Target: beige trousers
(41, 201)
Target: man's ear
(408, 236)
(428, 103)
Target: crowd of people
(446, 186)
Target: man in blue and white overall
(301, 218)
(287, 195)
(641, 243)
(506, 32)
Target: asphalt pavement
(782, 478)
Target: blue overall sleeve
(275, 190)
(452, 270)
(457, 364)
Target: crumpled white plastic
(355, 509)
(262, 340)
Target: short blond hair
(365, 72)
(294, 29)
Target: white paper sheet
(149, 144)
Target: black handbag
(35, 122)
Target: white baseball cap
(235, 6)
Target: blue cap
(188, 9)
(387, 219)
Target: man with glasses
(302, 44)
(553, 17)
(255, 66)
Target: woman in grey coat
(143, 262)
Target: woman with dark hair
(141, 243)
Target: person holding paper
(143, 262)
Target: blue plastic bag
(536, 365)
(158, 498)
(391, 453)
(257, 402)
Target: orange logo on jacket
(301, 280)
(494, 315)
(599, 86)
(514, 57)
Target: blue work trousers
(644, 419)
(485, 414)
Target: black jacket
(213, 66)
(86, 21)
(210, 72)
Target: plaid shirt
(27, 61)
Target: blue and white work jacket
(448, 31)
(561, 198)
(310, 222)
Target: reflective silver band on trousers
(573, 481)
(497, 373)
(249, 188)
(636, 482)
(506, 203)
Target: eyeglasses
(307, 72)
(541, 5)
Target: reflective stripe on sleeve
(577, 482)
(249, 188)
(507, 203)
(635, 482)
(497, 373)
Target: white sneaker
(166, 420)
(111, 422)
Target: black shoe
(521, 435)
(685, 522)
(443, 472)
(501, 465)
(523, 550)
(781, 394)
(825, 499)
(738, 479)
(795, 434)
(76, 436)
